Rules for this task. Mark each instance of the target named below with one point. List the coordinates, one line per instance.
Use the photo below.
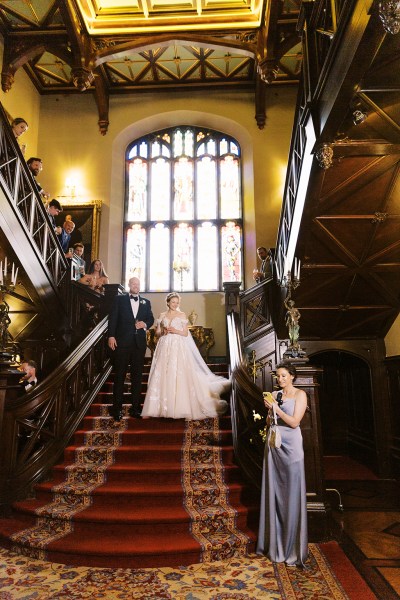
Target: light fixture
(389, 13)
(359, 116)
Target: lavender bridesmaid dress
(282, 532)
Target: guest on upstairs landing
(29, 379)
(96, 276)
(35, 165)
(53, 209)
(65, 237)
(265, 270)
(19, 126)
(78, 256)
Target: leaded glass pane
(230, 188)
(211, 147)
(144, 150)
(160, 200)
(136, 254)
(223, 147)
(183, 257)
(189, 142)
(231, 252)
(155, 149)
(207, 250)
(234, 149)
(137, 190)
(159, 258)
(206, 188)
(183, 191)
(178, 143)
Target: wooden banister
(36, 427)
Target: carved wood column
(317, 508)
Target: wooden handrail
(246, 402)
(36, 427)
(26, 208)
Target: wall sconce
(359, 116)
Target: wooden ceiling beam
(81, 46)
(142, 44)
(344, 149)
(102, 100)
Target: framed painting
(86, 216)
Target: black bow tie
(135, 298)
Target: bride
(180, 385)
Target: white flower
(143, 302)
(256, 416)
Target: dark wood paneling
(392, 365)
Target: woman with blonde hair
(180, 384)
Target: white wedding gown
(180, 385)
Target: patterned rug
(247, 578)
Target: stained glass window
(183, 210)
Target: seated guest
(35, 166)
(96, 276)
(29, 380)
(65, 237)
(78, 253)
(53, 209)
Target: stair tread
(129, 488)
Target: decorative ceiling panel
(134, 45)
(107, 17)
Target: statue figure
(292, 322)
(4, 323)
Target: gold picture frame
(86, 216)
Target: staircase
(139, 493)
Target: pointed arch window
(183, 210)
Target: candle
(278, 273)
(298, 270)
(5, 267)
(12, 273)
(1, 273)
(15, 275)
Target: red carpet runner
(141, 493)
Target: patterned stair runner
(205, 495)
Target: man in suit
(129, 319)
(265, 269)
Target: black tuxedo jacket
(121, 323)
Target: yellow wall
(23, 101)
(392, 340)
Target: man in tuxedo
(129, 319)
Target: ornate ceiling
(118, 46)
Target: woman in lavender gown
(180, 385)
(283, 515)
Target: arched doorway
(346, 406)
